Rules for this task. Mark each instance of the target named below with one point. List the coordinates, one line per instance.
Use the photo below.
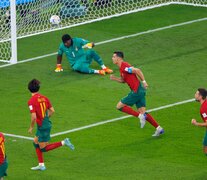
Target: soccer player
(41, 110)
(78, 58)
(3, 161)
(200, 96)
(136, 81)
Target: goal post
(24, 18)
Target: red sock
(130, 111)
(53, 146)
(39, 155)
(151, 120)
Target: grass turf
(173, 62)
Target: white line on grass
(18, 136)
(102, 122)
(116, 39)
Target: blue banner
(6, 3)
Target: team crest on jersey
(30, 107)
(204, 115)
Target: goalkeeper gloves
(58, 68)
(88, 45)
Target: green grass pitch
(174, 62)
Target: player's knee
(43, 149)
(119, 108)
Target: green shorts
(3, 168)
(43, 134)
(137, 98)
(205, 139)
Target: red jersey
(2, 148)
(203, 111)
(39, 104)
(130, 78)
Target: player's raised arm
(139, 73)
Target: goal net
(32, 16)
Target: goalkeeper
(79, 58)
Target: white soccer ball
(54, 19)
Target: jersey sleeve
(31, 107)
(82, 41)
(128, 70)
(49, 105)
(204, 115)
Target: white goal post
(24, 18)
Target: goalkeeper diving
(80, 59)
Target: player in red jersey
(200, 96)
(41, 110)
(3, 161)
(136, 81)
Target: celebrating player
(132, 77)
(78, 58)
(3, 161)
(200, 96)
(41, 110)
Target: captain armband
(128, 69)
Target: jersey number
(2, 149)
(43, 108)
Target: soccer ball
(54, 20)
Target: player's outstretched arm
(139, 73)
(118, 79)
(195, 123)
(89, 45)
(59, 65)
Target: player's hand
(194, 122)
(30, 130)
(58, 68)
(112, 77)
(145, 84)
(89, 45)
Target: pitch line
(116, 39)
(102, 122)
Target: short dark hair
(119, 54)
(65, 38)
(34, 85)
(202, 92)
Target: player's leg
(41, 165)
(3, 169)
(45, 146)
(141, 106)
(83, 67)
(205, 144)
(126, 109)
(91, 54)
(146, 116)
(125, 105)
